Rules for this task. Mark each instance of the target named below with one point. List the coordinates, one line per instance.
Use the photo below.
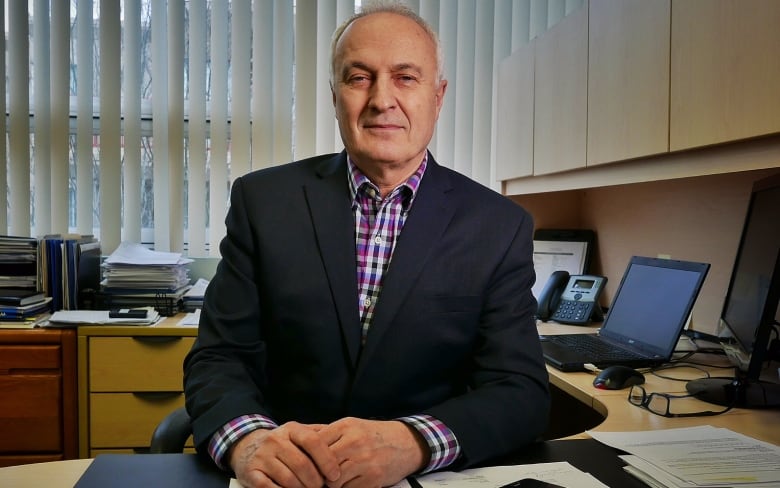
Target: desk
(622, 416)
(612, 404)
(585, 454)
(54, 474)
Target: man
(371, 316)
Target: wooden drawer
(17, 459)
(133, 364)
(127, 420)
(29, 357)
(31, 413)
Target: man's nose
(383, 94)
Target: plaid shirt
(378, 223)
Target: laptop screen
(653, 302)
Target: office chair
(171, 433)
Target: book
(170, 470)
(20, 297)
(25, 323)
(11, 312)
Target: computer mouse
(618, 377)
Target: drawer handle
(157, 339)
(156, 396)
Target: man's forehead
(385, 29)
(401, 41)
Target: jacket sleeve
(223, 373)
(507, 404)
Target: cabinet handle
(157, 396)
(157, 339)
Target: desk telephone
(571, 299)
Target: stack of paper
(135, 276)
(700, 457)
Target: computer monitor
(750, 312)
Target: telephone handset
(571, 299)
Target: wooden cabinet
(515, 115)
(38, 420)
(129, 379)
(670, 89)
(725, 71)
(560, 95)
(628, 79)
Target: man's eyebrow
(354, 65)
(394, 69)
(406, 67)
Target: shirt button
(367, 302)
(378, 240)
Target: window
(129, 119)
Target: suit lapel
(334, 228)
(428, 219)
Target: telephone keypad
(573, 311)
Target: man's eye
(357, 79)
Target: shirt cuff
(444, 446)
(231, 432)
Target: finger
(298, 464)
(256, 479)
(318, 451)
(332, 433)
(350, 476)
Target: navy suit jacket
(453, 333)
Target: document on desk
(550, 256)
(560, 473)
(100, 317)
(703, 456)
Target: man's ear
(440, 91)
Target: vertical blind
(129, 119)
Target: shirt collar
(357, 180)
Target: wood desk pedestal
(37, 396)
(130, 377)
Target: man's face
(386, 90)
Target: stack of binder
(19, 262)
(134, 276)
(22, 304)
(70, 268)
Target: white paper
(192, 318)
(100, 317)
(401, 484)
(132, 253)
(703, 455)
(560, 473)
(198, 289)
(552, 256)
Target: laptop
(649, 310)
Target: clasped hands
(348, 453)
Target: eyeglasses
(660, 403)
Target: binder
(152, 470)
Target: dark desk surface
(150, 470)
(587, 455)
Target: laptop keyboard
(590, 346)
